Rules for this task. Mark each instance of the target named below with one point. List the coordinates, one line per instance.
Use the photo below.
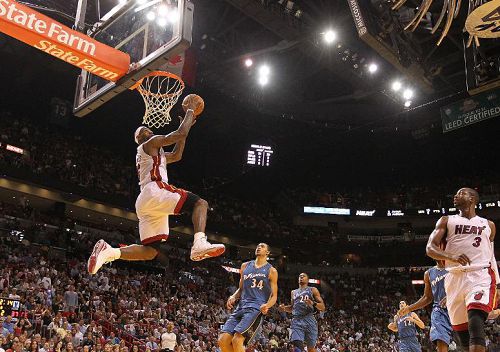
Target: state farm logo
(484, 22)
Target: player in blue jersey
(404, 325)
(258, 291)
(441, 331)
(305, 300)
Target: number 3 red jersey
(470, 237)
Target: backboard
(150, 31)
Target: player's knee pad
(190, 202)
(463, 339)
(298, 344)
(161, 256)
(476, 327)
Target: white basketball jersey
(470, 237)
(150, 168)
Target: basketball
(194, 102)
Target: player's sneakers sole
(99, 257)
(204, 250)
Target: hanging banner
(42, 32)
(470, 111)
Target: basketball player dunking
(157, 200)
(404, 325)
(434, 293)
(258, 291)
(305, 300)
(465, 243)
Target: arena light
(162, 22)
(408, 94)
(151, 16)
(407, 103)
(248, 62)
(264, 70)
(173, 16)
(141, 2)
(163, 10)
(396, 86)
(329, 36)
(263, 80)
(372, 68)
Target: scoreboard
(259, 155)
(9, 306)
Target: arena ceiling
(310, 80)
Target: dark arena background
(329, 132)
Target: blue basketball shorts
(440, 325)
(245, 321)
(305, 329)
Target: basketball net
(160, 91)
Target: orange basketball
(195, 102)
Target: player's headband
(137, 132)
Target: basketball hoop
(160, 91)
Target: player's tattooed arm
(153, 144)
(433, 248)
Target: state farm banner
(42, 32)
(471, 110)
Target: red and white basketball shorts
(475, 289)
(154, 204)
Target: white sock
(198, 236)
(116, 253)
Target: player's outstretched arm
(393, 326)
(424, 301)
(273, 279)
(287, 308)
(433, 248)
(178, 135)
(319, 303)
(236, 295)
(493, 260)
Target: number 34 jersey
(256, 286)
(470, 237)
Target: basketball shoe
(202, 249)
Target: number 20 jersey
(470, 237)
(300, 308)
(256, 286)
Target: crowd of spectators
(137, 307)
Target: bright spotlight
(264, 70)
(122, 1)
(329, 36)
(408, 94)
(163, 10)
(141, 2)
(161, 22)
(151, 16)
(173, 16)
(372, 68)
(248, 62)
(407, 104)
(396, 85)
(263, 80)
